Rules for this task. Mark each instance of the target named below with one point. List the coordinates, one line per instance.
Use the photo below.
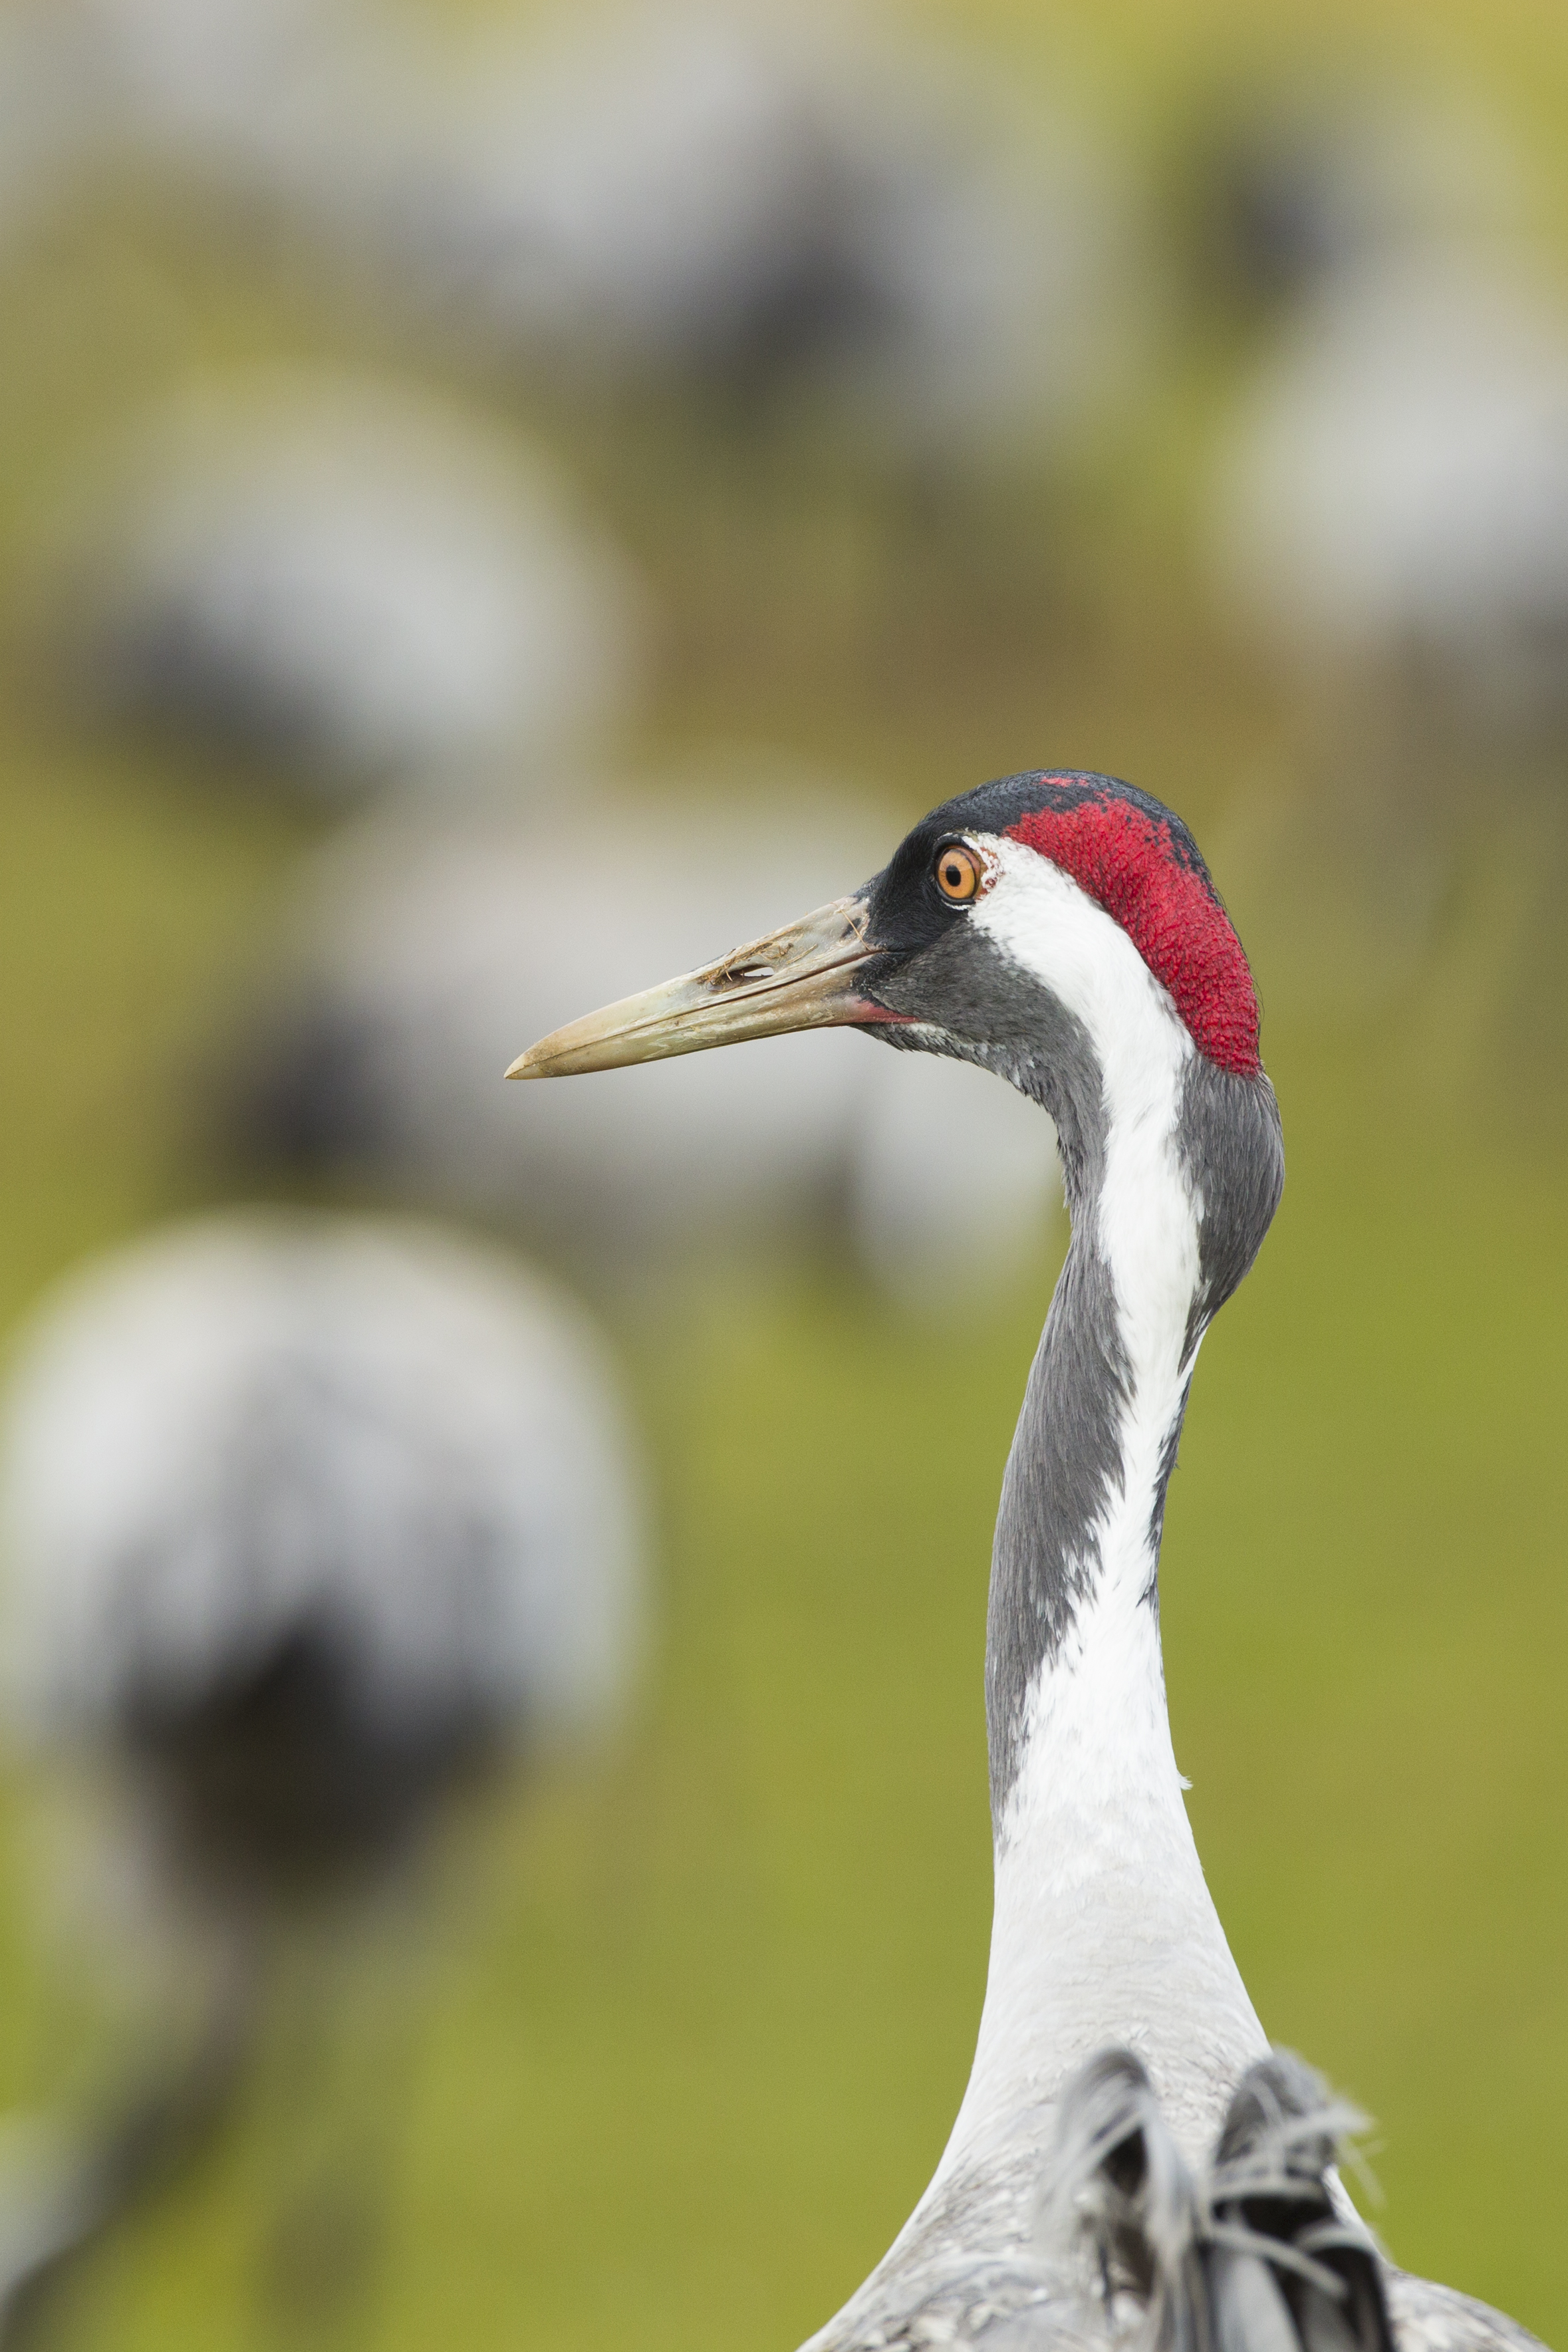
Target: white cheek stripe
(1148, 1229)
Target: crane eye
(959, 873)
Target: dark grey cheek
(963, 984)
(980, 1006)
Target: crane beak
(802, 977)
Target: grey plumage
(1065, 1458)
(1258, 2252)
(1431, 2318)
(1065, 1454)
(1259, 2255)
(1231, 1141)
(1037, 1045)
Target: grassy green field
(692, 2042)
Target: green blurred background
(703, 2013)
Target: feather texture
(1258, 2255)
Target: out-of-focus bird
(758, 205)
(765, 206)
(417, 947)
(348, 578)
(763, 212)
(308, 1522)
(366, 1471)
(746, 205)
(1063, 932)
(1392, 495)
(226, 93)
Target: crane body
(1063, 930)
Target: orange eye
(959, 873)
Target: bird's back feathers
(1259, 2252)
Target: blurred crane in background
(310, 1524)
(347, 577)
(1390, 503)
(1385, 522)
(1394, 493)
(749, 206)
(763, 205)
(419, 936)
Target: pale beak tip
(525, 1066)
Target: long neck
(1103, 1929)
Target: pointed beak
(802, 977)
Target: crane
(309, 1521)
(751, 207)
(1062, 930)
(758, 205)
(1392, 495)
(353, 580)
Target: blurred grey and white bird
(1062, 931)
(206, 77)
(417, 942)
(307, 1522)
(347, 576)
(1392, 493)
(747, 203)
(761, 202)
(753, 206)
(302, 1515)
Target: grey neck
(1065, 1464)
(1208, 1195)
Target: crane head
(1014, 924)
